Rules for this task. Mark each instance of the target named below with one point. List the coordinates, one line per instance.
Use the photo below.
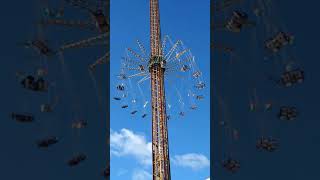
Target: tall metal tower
(160, 144)
(166, 63)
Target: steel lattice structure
(160, 145)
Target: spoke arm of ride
(182, 53)
(136, 54)
(164, 42)
(173, 65)
(129, 61)
(138, 74)
(177, 57)
(144, 78)
(177, 63)
(101, 60)
(85, 43)
(69, 23)
(142, 48)
(174, 47)
(137, 69)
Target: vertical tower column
(155, 35)
(160, 146)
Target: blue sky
(131, 136)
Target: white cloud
(191, 160)
(141, 175)
(208, 178)
(127, 143)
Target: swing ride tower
(160, 145)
